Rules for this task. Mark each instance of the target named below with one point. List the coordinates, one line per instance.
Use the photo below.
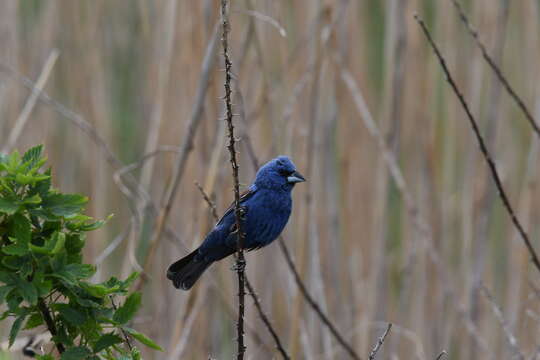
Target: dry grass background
(132, 70)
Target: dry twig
(31, 102)
(512, 341)
(303, 288)
(496, 69)
(441, 354)
(238, 211)
(379, 343)
(483, 148)
(187, 147)
(251, 290)
(314, 305)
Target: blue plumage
(267, 205)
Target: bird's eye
(285, 172)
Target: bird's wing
(243, 197)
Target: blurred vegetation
(132, 69)
(44, 279)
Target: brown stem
(240, 260)
(126, 337)
(50, 324)
(251, 290)
(483, 148)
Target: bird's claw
(239, 265)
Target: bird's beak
(295, 177)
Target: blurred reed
(128, 78)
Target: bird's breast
(266, 220)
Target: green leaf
(13, 301)
(24, 179)
(15, 328)
(52, 245)
(45, 357)
(136, 354)
(13, 262)
(42, 285)
(76, 353)
(42, 187)
(33, 155)
(97, 290)
(106, 341)
(4, 292)
(74, 243)
(143, 339)
(65, 204)
(13, 161)
(28, 291)
(128, 310)
(72, 315)
(34, 321)
(26, 268)
(8, 278)
(21, 229)
(8, 206)
(80, 271)
(18, 249)
(34, 199)
(92, 226)
(70, 273)
(131, 278)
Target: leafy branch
(43, 280)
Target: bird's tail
(186, 271)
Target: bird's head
(278, 173)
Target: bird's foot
(239, 265)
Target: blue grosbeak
(267, 205)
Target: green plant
(42, 234)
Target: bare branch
(483, 148)
(187, 147)
(31, 102)
(496, 69)
(441, 355)
(238, 212)
(251, 290)
(512, 341)
(314, 305)
(379, 343)
(303, 288)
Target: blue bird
(267, 205)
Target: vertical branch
(238, 212)
(251, 290)
(50, 324)
(483, 148)
(187, 147)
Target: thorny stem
(482, 145)
(251, 290)
(379, 343)
(240, 260)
